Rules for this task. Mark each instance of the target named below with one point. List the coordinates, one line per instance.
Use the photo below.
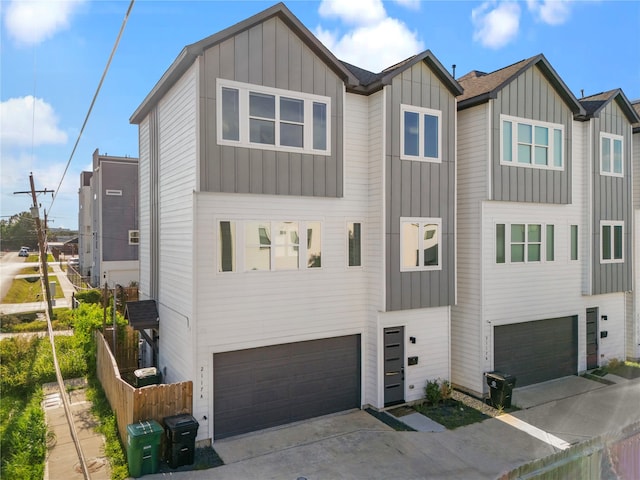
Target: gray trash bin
(501, 388)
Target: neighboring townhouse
(108, 221)
(544, 245)
(85, 225)
(297, 221)
(633, 329)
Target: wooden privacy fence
(612, 455)
(130, 404)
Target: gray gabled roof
(142, 314)
(189, 54)
(594, 104)
(480, 87)
(371, 82)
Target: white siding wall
(430, 327)
(144, 211)
(633, 326)
(374, 249)
(240, 310)
(177, 132)
(121, 272)
(466, 316)
(613, 306)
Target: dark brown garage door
(269, 386)
(537, 351)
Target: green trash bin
(143, 447)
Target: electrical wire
(95, 96)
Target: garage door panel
(537, 351)
(269, 386)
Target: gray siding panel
(419, 189)
(612, 198)
(530, 96)
(270, 54)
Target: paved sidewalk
(62, 457)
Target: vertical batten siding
(270, 54)
(467, 315)
(531, 96)
(430, 327)
(374, 248)
(419, 189)
(612, 199)
(144, 210)
(177, 154)
(240, 310)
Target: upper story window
(530, 143)
(611, 241)
(273, 119)
(420, 134)
(134, 237)
(524, 243)
(420, 240)
(611, 155)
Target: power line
(95, 96)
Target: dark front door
(592, 338)
(393, 366)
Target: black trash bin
(501, 388)
(146, 376)
(180, 439)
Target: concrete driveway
(355, 445)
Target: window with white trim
(611, 158)
(530, 143)
(273, 119)
(525, 243)
(134, 237)
(420, 241)
(268, 245)
(611, 241)
(420, 134)
(354, 244)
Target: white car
(73, 262)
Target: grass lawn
(451, 413)
(34, 270)
(26, 290)
(628, 370)
(35, 257)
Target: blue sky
(56, 51)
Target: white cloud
(495, 24)
(361, 12)
(373, 47)
(32, 22)
(20, 117)
(552, 12)
(412, 4)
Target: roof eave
(477, 100)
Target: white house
(544, 229)
(297, 219)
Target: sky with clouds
(53, 54)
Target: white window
(525, 242)
(134, 237)
(273, 119)
(113, 193)
(420, 240)
(611, 242)
(611, 155)
(420, 134)
(529, 143)
(354, 244)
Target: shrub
(432, 392)
(90, 296)
(445, 389)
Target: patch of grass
(451, 413)
(35, 257)
(27, 290)
(628, 370)
(35, 321)
(34, 270)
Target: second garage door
(537, 351)
(270, 386)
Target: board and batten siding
(419, 189)
(177, 115)
(531, 96)
(472, 190)
(119, 212)
(144, 208)
(269, 54)
(612, 200)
